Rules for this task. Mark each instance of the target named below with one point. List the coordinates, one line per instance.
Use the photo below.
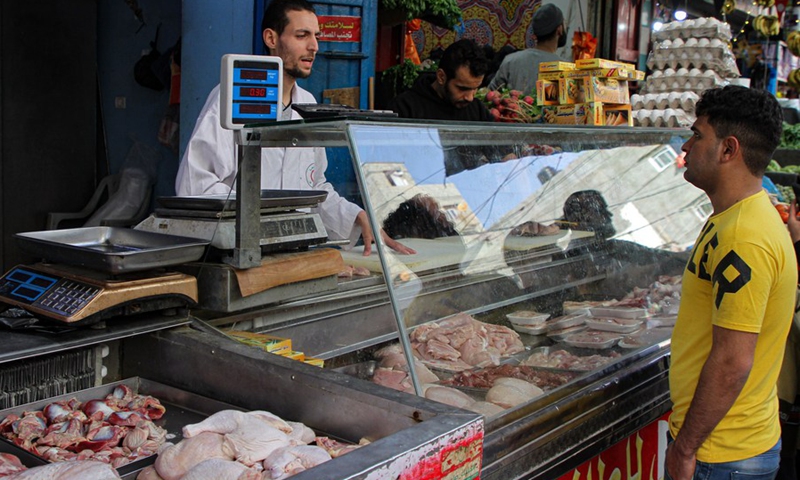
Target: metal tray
(273, 199)
(183, 408)
(110, 249)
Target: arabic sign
(339, 28)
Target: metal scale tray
(273, 200)
(110, 249)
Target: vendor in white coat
(290, 30)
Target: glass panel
(512, 220)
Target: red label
(339, 28)
(634, 457)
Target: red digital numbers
(253, 92)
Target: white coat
(209, 167)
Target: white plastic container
(593, 339)
(527, 317)
(616, 325)
(618, 312)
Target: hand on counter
(369, 238)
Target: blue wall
(119, 46)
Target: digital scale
(213, 218)
(101, 272)
(72, 295)
(250, 91)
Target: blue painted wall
(119, 46)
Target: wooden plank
(283, 268)
(343, 96)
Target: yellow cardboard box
(317, 362)
(571, 90)
(585, 63)
(606, 90)
(546, 92)
(564, 114)
(556, 66)
(618, 73)
(551, 76)
(263, 341)
(638, 75)
(598, 113)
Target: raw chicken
(253, 441)
(217, 469)
(392, 370)
(447, 395)
(287, 461)
(227, 421)
(336, 448)
(174, 461)
(70, 470)
(509, 392)
(10, 464)
(149, 473)
(485, 408)
(301, 434)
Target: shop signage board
(339, 28)
(640, 456)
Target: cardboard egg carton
(705, 27)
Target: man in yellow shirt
(737, 299)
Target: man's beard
(562, 40)
(297, 73)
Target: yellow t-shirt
(742, 275)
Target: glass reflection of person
(418, 217)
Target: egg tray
(694, 28)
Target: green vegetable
(790, 139)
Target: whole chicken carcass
(253, 441)
(174, 461)
(69, 470)
(227, 421)
(509, 392)
(218, 469)
(287, 461)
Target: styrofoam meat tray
(616, 325)
(593, 339)
(618, 312)
(547, 350)
(645, 337)
(527, 318)
(183, 408)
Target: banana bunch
(794, 79)
(728, 7)
(767, 25)
(765, 3)
(793, 41)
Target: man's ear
(731, 148)
(441, 77)
(270, 37)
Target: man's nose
(469, 96)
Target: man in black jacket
(450, 95)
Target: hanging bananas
(793, 42)
(767, 25)
(765, 3)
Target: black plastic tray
(272, 199)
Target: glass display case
(551, 256)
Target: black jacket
(422, 102)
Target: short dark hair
(753, 116)
(275, 17)
(461, 53)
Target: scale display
(251, 89)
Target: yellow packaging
(299, 356)
(606, 90)
(551, 76)
(638, 75)
(571, 90)
(598, 113)
(564, 114)
(556, 66)
(317, 362)
(263, 341)
(546, 92)
(618, 73)
(585, 63)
